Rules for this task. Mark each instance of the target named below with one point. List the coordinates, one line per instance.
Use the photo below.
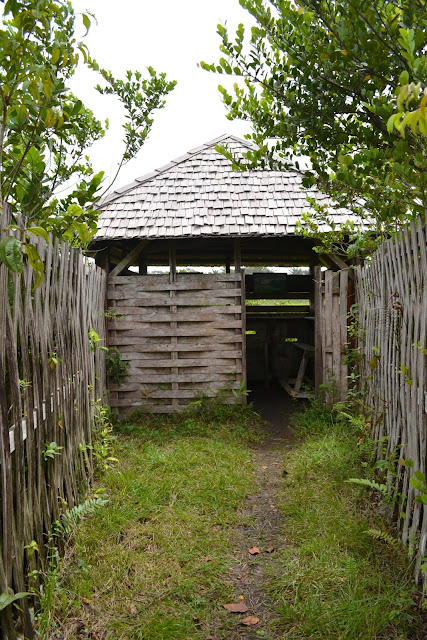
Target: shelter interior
(279, 305)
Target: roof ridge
(170, 165)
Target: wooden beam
(129, 258)
(326, 262)
(339, 262)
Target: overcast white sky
(171, 36)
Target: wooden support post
(142, 264)
(227, 265)
(312, 288)
(172, 260)
(237, 255)
(244, 366)
(318, 325)
(174, 323)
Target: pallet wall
(181, 336)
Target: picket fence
(50, 382)
(392, 307)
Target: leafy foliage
(319, 81)
(45, 130)
(71, 519)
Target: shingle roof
(200, 195)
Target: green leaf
(404, 77)
(86, 22)
(420, 476)
(11, 253)
(37, 264)
(416, 484)
(373, 363)
(6, 598)
(55, 56)
(38, 231)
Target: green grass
(331, 580)
(138, 569)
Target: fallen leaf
(241, 597)
(264, 466)
(236, 607)
(206, 559)
(86, 600)
(269, 550)
(253, 551)
(249, 621)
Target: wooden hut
(189, 333)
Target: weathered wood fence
(331, 304)
(50, 380)
(182, 335)
(392, 301)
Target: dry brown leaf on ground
(207, 559)
(236, 607)
(253, 551)
(269, 550)
(264, 466)
(249, 621)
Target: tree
(320, 82)
(45, 130)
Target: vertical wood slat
(330, 329)
(40, 404)
(392, 296)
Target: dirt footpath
(265, 536)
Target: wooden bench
(307, 356)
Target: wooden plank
(221, 330)
(153, 327)
(182, 363)
(212, 298)
(148, 314)
(129, 258)
(184, 281)
(216, 374)
(144, 344)
(137, 392)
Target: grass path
(190, 496)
